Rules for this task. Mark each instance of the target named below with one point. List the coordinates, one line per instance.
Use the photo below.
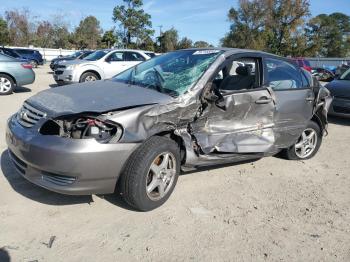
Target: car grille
(341, 110)
(61, 66)
(58, 72)
(28, 116)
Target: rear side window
(132, 56)
(283, 75)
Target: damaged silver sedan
(181, 110)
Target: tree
(168, 40)
(4, 33)
(201, 44)
(135, 23)
(270, 25)
(284, 19)
(109, 39)
(247, 25)
(44, 33)
(61, 37)
(184, 43)
(327, 35)
(21, 26)
(88, 33)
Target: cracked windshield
(173, 73)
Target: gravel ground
(271, 209)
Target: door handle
(263, 100)
(310, 99)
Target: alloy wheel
(5, 85)
(307, 143)
(90, 78)
(161, 176)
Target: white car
(102, 64)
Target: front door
(242, 119)
(114, 64)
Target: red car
(302, 62)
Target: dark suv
(31, 55)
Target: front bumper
(62, 76)
(340, 107)
(67, 166)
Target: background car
(322, 74)
(101, 64)
(340, 90)
(33, 56)
(302, 62)
(14, 73)
(75, 56)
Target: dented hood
(99, 96)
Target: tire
(6, 84)
(138, 177)
(88, 77)
(312, 146)
(34, 63)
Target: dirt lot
(271, 209)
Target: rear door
(294, 99)
(242, 119)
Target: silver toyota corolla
(181, 110)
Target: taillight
(308, 68)
(27, 66)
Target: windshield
(75, 55)
(96, 55)
(173, 73)
(346, 75)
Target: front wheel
(307, 145)
(151, 174)
(88, 77)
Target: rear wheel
(6, 84)
(307, 145)
(88, 77)
(151, 174)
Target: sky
(197, 19)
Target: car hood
(98, 96)
(339, 88)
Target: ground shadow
(33, 192)
(4, 255)
(50, 73)
(117, 200)
(53, 85)
(339, 120)
(22, 89)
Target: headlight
(72, 67)
(84, 127)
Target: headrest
(243, 71)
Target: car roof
(231, 51)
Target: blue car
(33, 56)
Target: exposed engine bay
(83, 127)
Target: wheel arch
(320, 121)
(90, 71)
(9, 75)
(177, 139)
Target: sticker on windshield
(206, 52)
